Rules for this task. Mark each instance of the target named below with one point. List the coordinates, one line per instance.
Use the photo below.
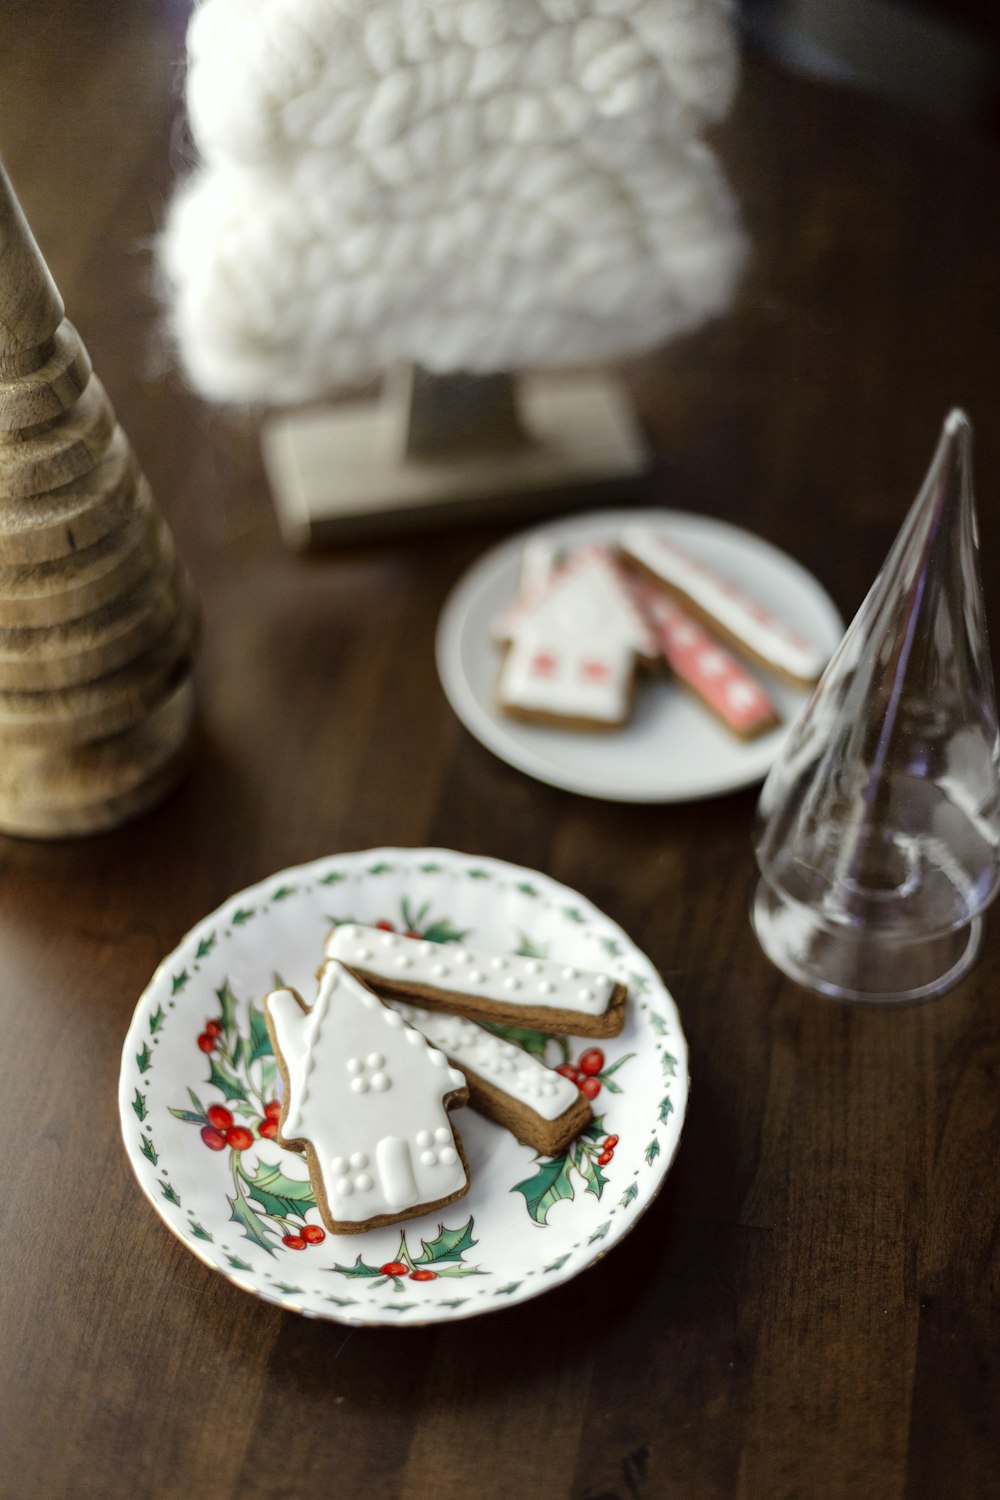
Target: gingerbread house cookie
(366, 1098)
(574, 640)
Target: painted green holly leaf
(400, 1307)
(460, 1271)
(526, 888)
(381, 868)
(666, 1108)
(342, 1301)
(178, 982)
(287, 1288)
(640, 984)
(205, 946)
(189, 1116)
(454, 1302)
(139, 1105)
(431, 869)
(228, 1004)
(254, 1229)
(630, 1194)
(156, 1020)
(574, 914)
(237, 1264)
(444, 932)
(169, 1194)
(143, 1058)
(200, 1233)
(237, 1052)
(197, 1103)
(669, 1064)
(652, 1151)
(359, 1268)
(334, 878)
(600, 1232)
(260, 1040)
(612, 947)
(550, 1184)
(558, 1263)
(478, 874)
(149, 1150)
(268, 1074)
(607, 1076)
(223, 1079)
(505, 1291)
(528, 949)
(449, 1244)
(412, 919)
(594, 1129)
(278, 1194)
(242, 915)
(283, 892)
(590, 1170)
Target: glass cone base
(855, 963)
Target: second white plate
(672, 750)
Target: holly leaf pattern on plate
(260, 1039)
(253, 1228)
(278, 1194)
(449, 1244)
(221, 1077)
(550, 1184)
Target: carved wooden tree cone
(97, 619)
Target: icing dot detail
(461, 957)
(442, 1135)
(439, 970)
(363, 1182)
(364, 954)
(354, 1065)
(424, 1138)
(413, 1037)
(498, 963)
(388, 940)
(358, 1161)
(376, 1060)
(359, 1085)
(338, 1166)
(545, 986)
(437, 1058)
(343, 1187)
(447, 1156)
(380, 1082)
(532, 966)
(511, 983)
(476, 976)
(404, 961)
(391, 1019)
(429, 1158)
(569, 973)
(585, 995)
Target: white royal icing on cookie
(495, 1060)
(574, 642)
(363, 1090)
(526, 982)
(768, 637)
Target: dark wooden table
(811, 1307)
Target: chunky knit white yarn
(467, 184)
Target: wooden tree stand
(97, 619)
(435, 449)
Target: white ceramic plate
(673, 750)
(527, 1223)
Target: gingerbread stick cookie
(537, 992)
(535, 1103)
(722, 607)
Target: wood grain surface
(812, 1307)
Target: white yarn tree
(470, 185)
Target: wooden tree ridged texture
(97, 618)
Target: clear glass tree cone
(879, 826)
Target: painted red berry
(592, 1061)
(312, 1234)
(604, 1158)
(394, 1268)
(568, 1071)
(213, 1028)
(385, 927)
(411, 932)
(591, 1087)
(206, 1042)
(423, 1276)
(268, 1129)
(214, 1139)
(272, 1109)
(239, 1137)
(610, 1142)
(219, 1116)
(293, 1241)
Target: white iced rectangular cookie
(365, 1096)
(543, 993)
(539, 1105)
(717, 601)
